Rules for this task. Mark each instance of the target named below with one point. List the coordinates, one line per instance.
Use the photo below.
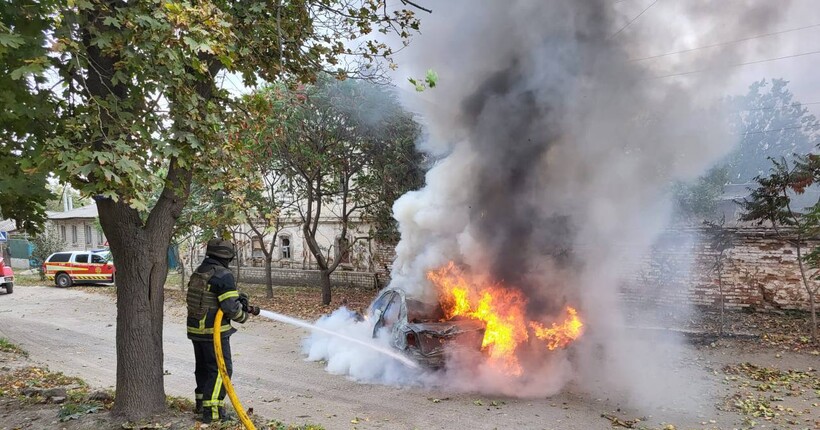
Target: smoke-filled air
(553, 154)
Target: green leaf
(419, 86)
(11, 40)
(112, 21)
(431, 78)
(119, 78)
(26, 70)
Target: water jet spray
(223, 371)
(304, 324)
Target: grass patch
(37, 377)
(15, 384)
(173, 280)
(74, 411)
(27, 280)
(6, 346)
(180, 404)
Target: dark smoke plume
(555, 157)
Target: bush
(45, 244)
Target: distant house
(78, 228)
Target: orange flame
(502, 311)
(559, 335)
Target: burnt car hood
(447, 328)
(434, 338)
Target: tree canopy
(342, 150)
(769, 123)
(771, 202)
(27, 116)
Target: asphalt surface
(73, 332)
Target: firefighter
(212, 286)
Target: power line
(729, 66)
(714, 45)
(775, 130)
(633, 20)
(795, 104)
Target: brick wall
(760, 271)
(383, 256)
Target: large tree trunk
(141, 261)
(324, 282)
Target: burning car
(419, 328)
(472, 313)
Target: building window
(88, 235)
(62, 233)
(342, 246)
(74, 234)
(256, 247)
(284, 245)
(100, 237)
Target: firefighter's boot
(198, 403)
(225, 415)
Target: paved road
(73, 332)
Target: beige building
(291, 247)
(78, 228)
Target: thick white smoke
(555, 154)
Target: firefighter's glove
(243, 300)
(253, 310)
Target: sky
(665, 24)
(672, 31)
(801, 71)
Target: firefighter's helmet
(220, 249)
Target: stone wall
(760, 272)
(299, 277)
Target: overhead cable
(714, 45)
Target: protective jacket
(212, 286)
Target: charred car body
(420, 330)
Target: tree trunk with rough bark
(324, 282)
(812, 298)
(182, 275)
(268, 276)
(140, 255)
(722, 303)
(809, 290)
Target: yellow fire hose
(223, 371)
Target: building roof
(8, 225)
(89, 212)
